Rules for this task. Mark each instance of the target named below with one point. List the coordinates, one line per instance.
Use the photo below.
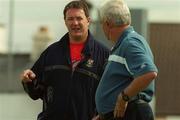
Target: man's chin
(77, 38)
(77, 34)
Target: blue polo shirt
(130, 57)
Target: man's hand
(27, 76)
(120, 107)
(96, 117)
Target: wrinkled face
(77, 24)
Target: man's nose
(75, 22)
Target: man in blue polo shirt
(127, 85)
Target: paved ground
(20, 107)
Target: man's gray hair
(115, 11)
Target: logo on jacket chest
(90, 63)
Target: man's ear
(109, 24)
(65, 22)
(89, 19)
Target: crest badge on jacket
(90, 63)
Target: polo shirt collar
(123, 35)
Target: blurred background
(24, 22)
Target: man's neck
(116, 32)
(78, 40)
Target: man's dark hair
(77, 4)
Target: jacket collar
(88, 47)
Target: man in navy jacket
(67, 73)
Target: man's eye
(69, 19)
(79, 18)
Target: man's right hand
(27, 76)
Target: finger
(25, 79)
(32, 75)
(96, 118)
(115, 112)
(118, 114)
(27, 76)
(119, 111)
(23, 76)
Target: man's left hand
(96, 117)
(120, 107)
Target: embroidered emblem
(90, 63)
(143, 65)
(50, 94)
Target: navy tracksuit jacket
(67, 94)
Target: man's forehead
(75, 12)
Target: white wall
(159, 10)
(3, 43)
(30, 14)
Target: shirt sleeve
(139, 58)
(35, 89)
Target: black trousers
(136, 110)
